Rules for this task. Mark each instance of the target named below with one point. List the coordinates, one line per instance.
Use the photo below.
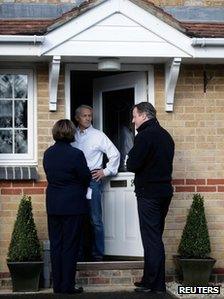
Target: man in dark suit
(68, 178)
(151, 159)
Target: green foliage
(24, 245)
(195, 241)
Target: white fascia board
(18, 49)
(118, 49)
(158, 27)
(209, 52)
(73, 27)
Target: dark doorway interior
(82, 88)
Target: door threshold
(110, 265)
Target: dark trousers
(152, 213)
(64, 235)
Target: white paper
(89, 193)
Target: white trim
(31, 157)
(54, 69)
(151, 85)
(171, 75)
(67, 91)
(22, 39)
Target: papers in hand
(89, 193)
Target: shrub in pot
(24, 254)
(194, 247)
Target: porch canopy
(135, 32)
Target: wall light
(109, 64)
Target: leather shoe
(76, 290)
(139, 284)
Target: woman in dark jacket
(68, 178)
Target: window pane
(6, 86)
(20, 86)
(20, 141)
(21, 114)
(5, 114)
(117, 106)
(5, 141)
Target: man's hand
(97, 174)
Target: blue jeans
(96, 219)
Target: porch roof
(43, 26)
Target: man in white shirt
(94, 144)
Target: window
(17, 117)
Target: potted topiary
(194, 246)
(24, 255)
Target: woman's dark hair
(64, 130)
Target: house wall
(197, 125)
(157, 2)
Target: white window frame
(29, 158)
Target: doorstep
(110, 265)
(109, 273)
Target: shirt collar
(84, 131)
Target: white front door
(113, 98)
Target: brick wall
(197, 125)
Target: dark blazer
(151, 159)
(68, 178)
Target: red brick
(40, 184)
(22, 184)
(178, 182)
(195, 182)
(4, 275)
(11, 191)
(185, 189)
(218, 270)
(220, 188)
(33, 190)
(206, 189)
(215, 181)
(5, 184)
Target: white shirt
(94, 144)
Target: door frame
(93, 67)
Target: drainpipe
(207, 42)
(35, 39)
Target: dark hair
(147, 108)
(64, 130)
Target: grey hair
(78, 110)
(147, 108)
